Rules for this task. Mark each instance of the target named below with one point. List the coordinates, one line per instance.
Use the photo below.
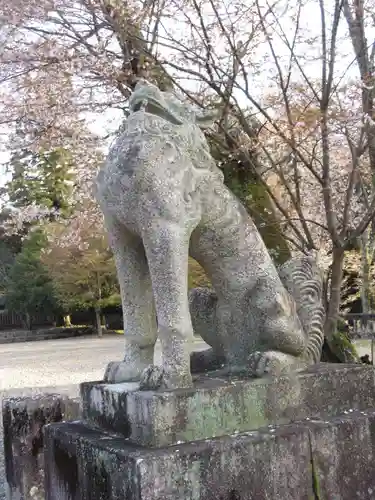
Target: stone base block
(23, 422)
(314, 459)
(218, 405)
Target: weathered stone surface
(88, 464)
(23, 422)
(163, 197)
(218, 406)
(344, 456)
(105, 405)
(319, 460)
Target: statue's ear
(206, 120)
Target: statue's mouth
(154, 107)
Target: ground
(65, 362)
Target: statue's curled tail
(303, 279)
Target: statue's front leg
(167, 248)
(137, 304)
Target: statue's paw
(273, 363)
(151, 378)
(156, 377)
(121, 371)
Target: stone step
(218, 406)
(325, 459)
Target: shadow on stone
(66, 469)
(233, 495)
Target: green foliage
(342, 346)
(44, 179)
(29, 288)
(84, 278)
(10, 245)
(6, 263)
(113, 300)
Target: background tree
(107, 71)
(84, 278)
(6, 262)
(315, 120)
(360, 19)
(9, 235)
(242, 168)
(313, 127)
(29, 289)
(44, 179)
(10, 246)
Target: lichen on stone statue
(163, 198)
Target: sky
(107, 122)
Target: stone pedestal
(219, 405)
(23, 421)
(300, 437)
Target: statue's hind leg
(255, 313)
(137, 302)
(203, 306)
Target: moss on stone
(248, 406)
(315, 482)
(343, 348)
(197, 276)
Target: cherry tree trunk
(365, 275)
(334, 294)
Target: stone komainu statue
(163, 198)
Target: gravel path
(47, 366)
